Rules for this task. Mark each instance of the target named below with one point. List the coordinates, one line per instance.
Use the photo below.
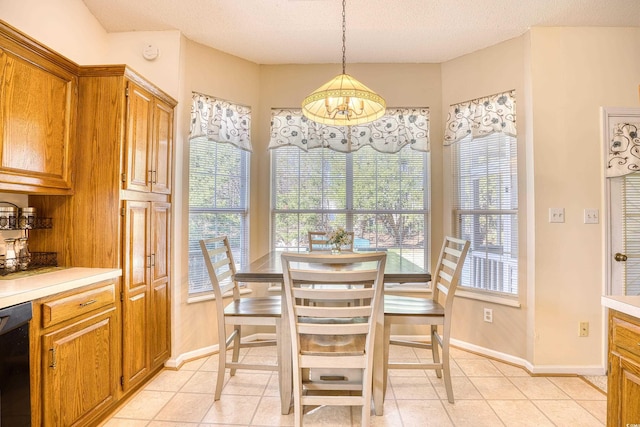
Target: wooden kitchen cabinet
(149, 142)
(119, 215)
(146, 317)
(78, 358)
(38, 94)
(623, 394)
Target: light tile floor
(487, 392)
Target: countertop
(16, 291)
(625, 304)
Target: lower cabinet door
(623, 392)
(80, 370)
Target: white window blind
(218, 194)
(631, 233)
(382, 197)
(220, 143)
(486, 210)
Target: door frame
(606, 113)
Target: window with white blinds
(631, 233)
(382, 197)
(486, 210)
(218, 203)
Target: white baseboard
(533, 369)
(177, 362)
(181, 359)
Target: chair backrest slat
(445, 276)
(316, 276)
(336, 294)
(318, 241)
(217, 254)
(333, 328)
(333, 312)
(448, 269)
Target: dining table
(268, 269)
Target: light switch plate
(591, 216)
(556, 214)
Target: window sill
(496, 299)
(210, 296)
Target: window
(486, 211)
(218, 191)
(218, 182)
(382, 197)
(485, 193)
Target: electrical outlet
(488, 315)
(584, 329)
(591, 216)
(556, 214)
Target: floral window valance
(624, 150)
(398, 128)
(481, 117)
(220, 121)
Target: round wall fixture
(150, 52)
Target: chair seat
(255, 307)
(334, 345)
(411, 306)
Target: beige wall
(126, 48)
(214, 73)
(496, 69)
(562, 76)
(574, 72)
(66, 26)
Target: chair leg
(387, 337)
(447, 371)
(222, 362)
(366, 415)
(434, 348)
(298, 408)
(380, 365)
(236, 347)
(367, 385)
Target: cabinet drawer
(69, 307)
(626, 335)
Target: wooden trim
(12, 34)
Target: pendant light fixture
(343, 101)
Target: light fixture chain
(344, 37)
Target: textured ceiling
(385, 31)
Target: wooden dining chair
(249, 311)
(433, 312)
(332, 344)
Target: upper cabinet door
(37, 122)
(149, 142)
(138, 169)
(162, 147)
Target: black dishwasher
(15, 406)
